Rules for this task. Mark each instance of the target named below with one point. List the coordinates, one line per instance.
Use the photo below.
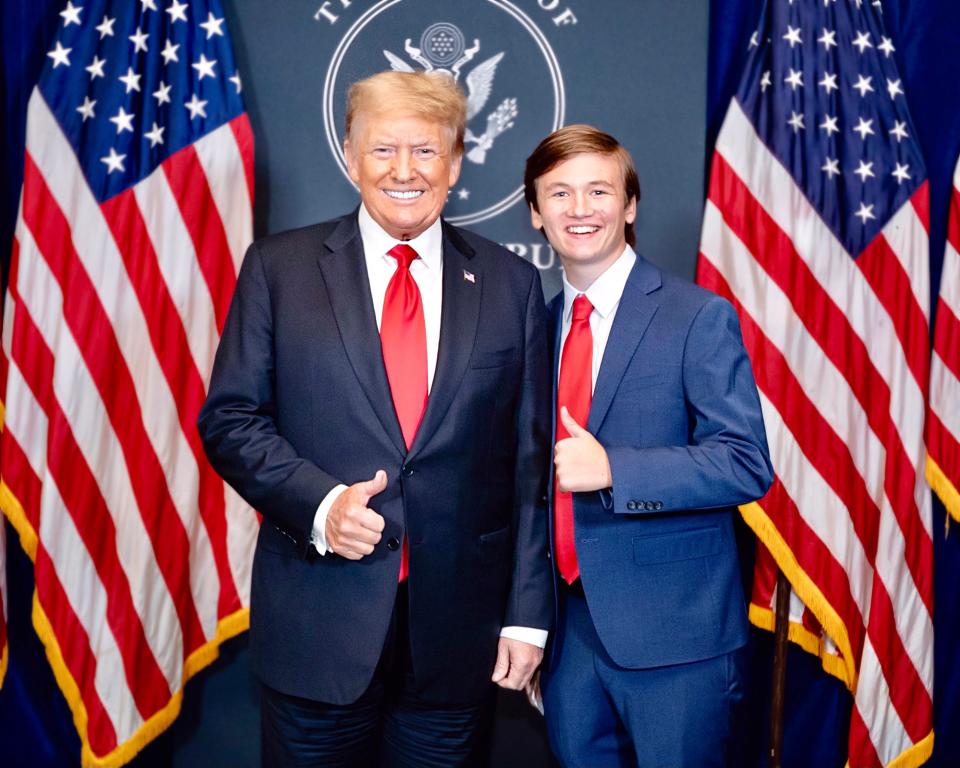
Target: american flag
(815, 228)
(943, 420)
(134, 216)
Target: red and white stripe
(839, 349)
(142, 554)
(943, 418)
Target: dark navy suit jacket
(299, 402)
(676, 408)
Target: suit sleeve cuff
(318, 536)
(537, 637)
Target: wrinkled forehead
(398, 121)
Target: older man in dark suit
(381, 395)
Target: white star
(105, 27)
(212, 26)
(60, 55)
(829, 82)
(205, 67)
(899, 130)
(86, 109)
(863, 85)
(177, 11)
(831, 167)
(828, 38)
(901, 173)
(236, 81)
(71, 14)
(795, 121)
(148, 5)
(876, 4)
(754, 40)
(862, 41)
(162, 94)
(464, 194)
(765, 81)
(864, 171)
(886, 45)
(123, 121)
(865, 212)
(864, 127)
(794, 79)
(139, 40)
(155, 135)
(196, 107)
(858, 2)
(114, 161)
(169, 52)
(894, 89)
(131, 80)
(793, 35)
(96, 67)
(829, 124)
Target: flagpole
(780, 627)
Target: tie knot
(582, 309)
(404, 255)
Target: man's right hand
(353, 529)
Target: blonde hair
(574, 140)
(434, 96)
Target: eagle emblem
(443, 49)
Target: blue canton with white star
(823, 92)
(131, 82)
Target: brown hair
(434, 96)
(573, 140)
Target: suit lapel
(344, 271)
(634, 313)
(459, 317)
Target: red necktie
(403, 339)
(573, 391)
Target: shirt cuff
(537, 637)
(318, 536)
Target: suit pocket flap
(673, 547)
(494, 359)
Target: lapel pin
(469, 277)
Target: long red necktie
(403, 339)
(573, 391)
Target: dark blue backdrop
(218, 723)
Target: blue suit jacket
(676, 408)
(299, 402)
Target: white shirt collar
(376, 242)
(603, 293)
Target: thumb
(374, 486)
(570, 424)
(502, 666)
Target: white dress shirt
(427, 272)
(604, 294)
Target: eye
(560, 193)
(425, 152)
(599, 192)
(382, 151)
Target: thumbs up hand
(581, 463)
(353, 529)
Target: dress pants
(601, 715)
(387, 727)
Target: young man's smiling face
(583, 210)
(404, 166)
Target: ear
(535, 219)
(455, 163)
(630, 212)
(353, 166)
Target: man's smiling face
(404, 166)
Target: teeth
(582, 230)
(407, 195)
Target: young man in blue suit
(381, 395)
(659, 435)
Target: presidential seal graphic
(498, 56)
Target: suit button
(406, 470)
(631, 505)
(393, 543)
(658, 505)
(649, 505)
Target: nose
(581, 204)
(403, 165)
